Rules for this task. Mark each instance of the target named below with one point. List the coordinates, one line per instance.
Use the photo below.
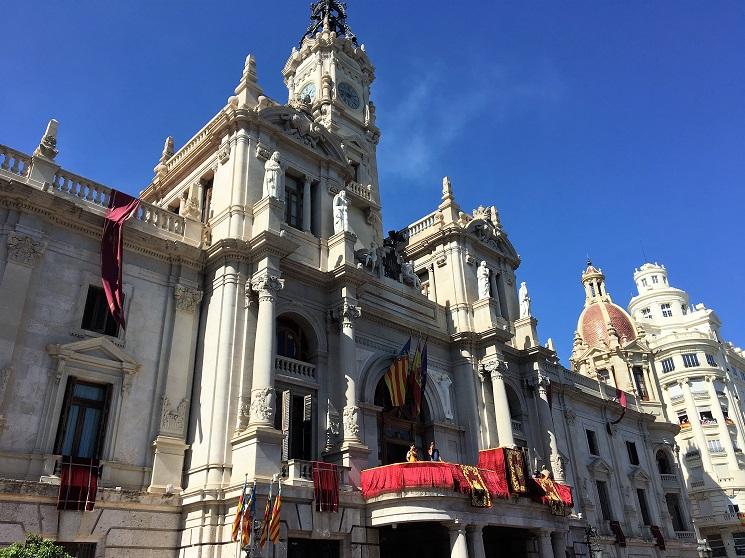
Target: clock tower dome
(329, 75)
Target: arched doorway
(398, 428)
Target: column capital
(187, 298)
(267, 285)
(347, 313)
(495, 369)
(24, 249)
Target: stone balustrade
(192, 144)
(421, 225)
(669, 480)
(685, 535)
(295, 368)
(72, 185)
(360, 190)
(14, 161)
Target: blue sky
(614, 129)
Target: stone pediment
(98, 352)
(301, 127)
(483, 227)
(639, 475)
(598, 465)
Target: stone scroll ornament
(121, 207)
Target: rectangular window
(293, 202)
(82, 423)
(641, 385)
(666, 310)
(207, 201)
(642, 497)
(716, 543)
(739, 539)
(733, 508)
(668, 365)
(715, 446)
(604, 500)
(647, 313)
(676, 512)
(297, 413)
(710, 360)
(96, 315)
(655, 280)
(690, 360)
(633, 455)
(644, 282)
(684, 309)
(592, 442)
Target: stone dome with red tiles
(595, 319)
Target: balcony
(729, 518)
(687, 536)
(517, 428)
(669, 481)
(709, 423)
(295, 369)
(300, 472)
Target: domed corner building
(266, 334)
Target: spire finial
(329, 15)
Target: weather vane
(329, 15)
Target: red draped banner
(78, 484)
(326, 486)
(121, 208)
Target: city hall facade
(265, 306)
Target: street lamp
(594, 548)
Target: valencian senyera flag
(397, 376)
(274, 521)
(235, 532)
(267, 517)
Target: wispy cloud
(420, 124)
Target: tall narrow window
(644, 282)
(83, 421)
(641, 385)
(592, 442)
(633, 455)
(96, 315)
(642, 497)
(293, 202)
(655, 280)
(604, 498)
(207, 201)
(676, 512)
(297, 415)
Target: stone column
(261, 411)
(466, 402)
(559, 543)
(348, 313)
(551, 455)
(724, 434)
(545, 546)
(476, 541)
(489, 433)
(170, 443)
(458, 546)
(306, 204)
(501, 405)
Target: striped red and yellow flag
(274, 522)
(396, 378)
(239, 514)
(265, 523)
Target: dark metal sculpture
(330, 14)
(393, 250)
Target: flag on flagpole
(235, 532)
(248, 518)
(423, 374)
(395, 379)
(267, 517)
(415, 379)
(406, 348)
(276, 510)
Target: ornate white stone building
(264, 308)
(702, 378)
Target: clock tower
(329, 76)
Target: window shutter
(286, 421)
(307, 408)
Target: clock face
(349, 95)
(308, 90)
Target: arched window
(398, 428)
(291, 340)
(663, 463)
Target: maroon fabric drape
(615, 526)
(121, 207)
(78, 484)
(657, 534)
(326, 486)
(424, 474)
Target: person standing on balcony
(411, 455)
(433, 452)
